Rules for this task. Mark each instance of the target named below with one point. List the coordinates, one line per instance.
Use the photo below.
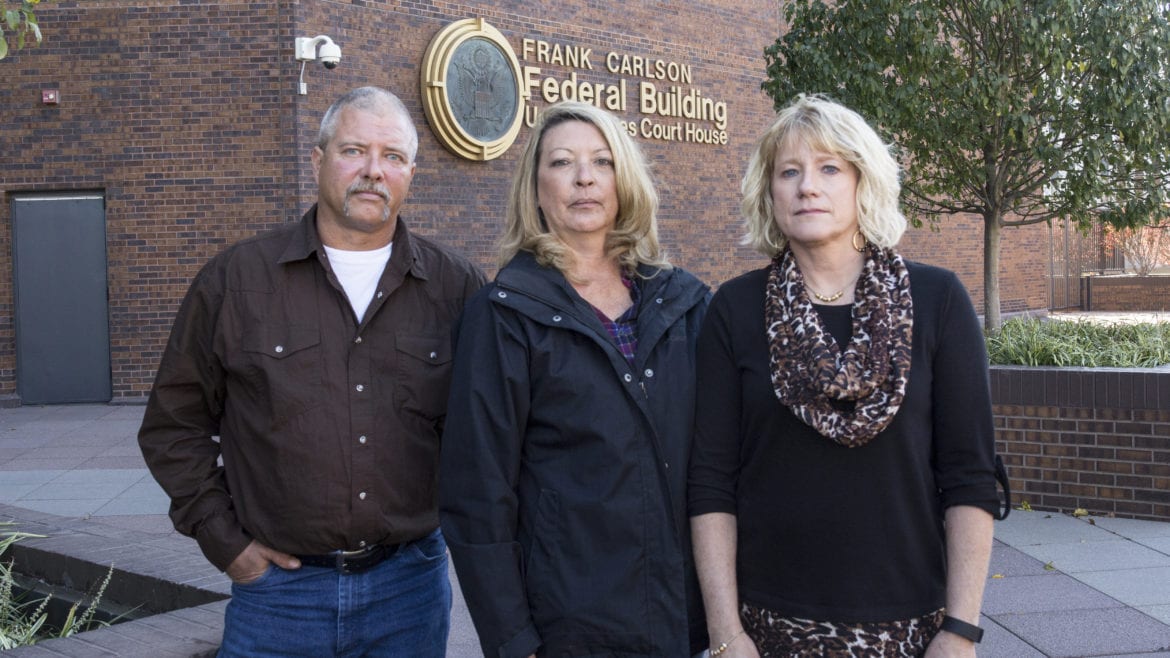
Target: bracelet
(723, 647)
(961, 628)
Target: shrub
(1033, 342)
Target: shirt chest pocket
(423, 373)
(281, 364)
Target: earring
(859, 247)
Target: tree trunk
(991, 238)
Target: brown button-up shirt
(328, 428)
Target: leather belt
(351, 561)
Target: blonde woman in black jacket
(564, 455)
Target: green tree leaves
(18, 25)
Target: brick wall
(464, 201)
(1091, 438)
(175, 113)
(957, 244)
(185, 116)
(1125, 293)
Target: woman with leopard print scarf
(842, 483)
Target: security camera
(329, 53)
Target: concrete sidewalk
(1058, 586)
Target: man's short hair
(368, 99)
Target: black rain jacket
(563, 469)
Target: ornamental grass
(1079, 343)
(24, 619)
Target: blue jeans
(402, 607)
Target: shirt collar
(305, 242)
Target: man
(319, 353)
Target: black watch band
(961, 628)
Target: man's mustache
(360, 187)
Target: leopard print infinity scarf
(848, 396)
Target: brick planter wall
(1092, 438)
(1125, 293)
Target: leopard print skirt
(784, 637)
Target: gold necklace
(825, 298)
(828, 299)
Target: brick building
(178, 126)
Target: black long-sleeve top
(833, 533)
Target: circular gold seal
(471, 90)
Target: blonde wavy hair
(827, 126)
(634, 238)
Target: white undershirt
(359, 272)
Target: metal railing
(1074, 254)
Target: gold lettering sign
(672, 106)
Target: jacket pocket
(543, 582)
(423, 373)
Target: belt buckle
(341, 558)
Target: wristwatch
(961, 628)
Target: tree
(1144, 247)
(18, 24)
(1020, 111)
